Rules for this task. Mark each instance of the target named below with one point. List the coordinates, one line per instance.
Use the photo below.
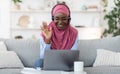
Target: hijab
(60, 8)
(62, 39)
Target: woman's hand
(47, 32)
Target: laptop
(62, 60)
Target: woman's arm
(43, 47)
(75, 46)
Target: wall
(4, 18)
(78, 18)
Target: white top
(44, 46)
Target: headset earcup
(69, 19)
(52, 18)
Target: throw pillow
(107, 58)
(9, 59)
(2, 46)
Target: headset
(69, 18)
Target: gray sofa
(28, 52)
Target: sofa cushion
(88, 48)
(10, 71)
(2, 46)
(9, 59)
(107, 58)
(28, 50)
(102, 70)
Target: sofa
(28, 51)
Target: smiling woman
(59, 34)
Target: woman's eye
(64, 18)
(56, 19)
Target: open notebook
(30, 71)
(60, 59)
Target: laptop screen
(60, 59)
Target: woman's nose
(60, 21)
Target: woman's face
(61, 20)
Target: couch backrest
(27, 50)
(88, 48)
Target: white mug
(78, 66)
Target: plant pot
(17, 7)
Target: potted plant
(17, 4)
(104, 4)
(113, 20)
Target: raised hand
(47, 32)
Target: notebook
(60, 59)
(30, 71)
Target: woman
(59, 34)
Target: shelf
(25, 28)
(30, 11)
(87, 11)
(47, 11)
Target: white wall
(4, 18)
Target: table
(34, 71)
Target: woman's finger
(44, 25)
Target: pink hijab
(62, 39)
(60, 8)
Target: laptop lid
(60, 59)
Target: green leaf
(113, 18)
(17, 1)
